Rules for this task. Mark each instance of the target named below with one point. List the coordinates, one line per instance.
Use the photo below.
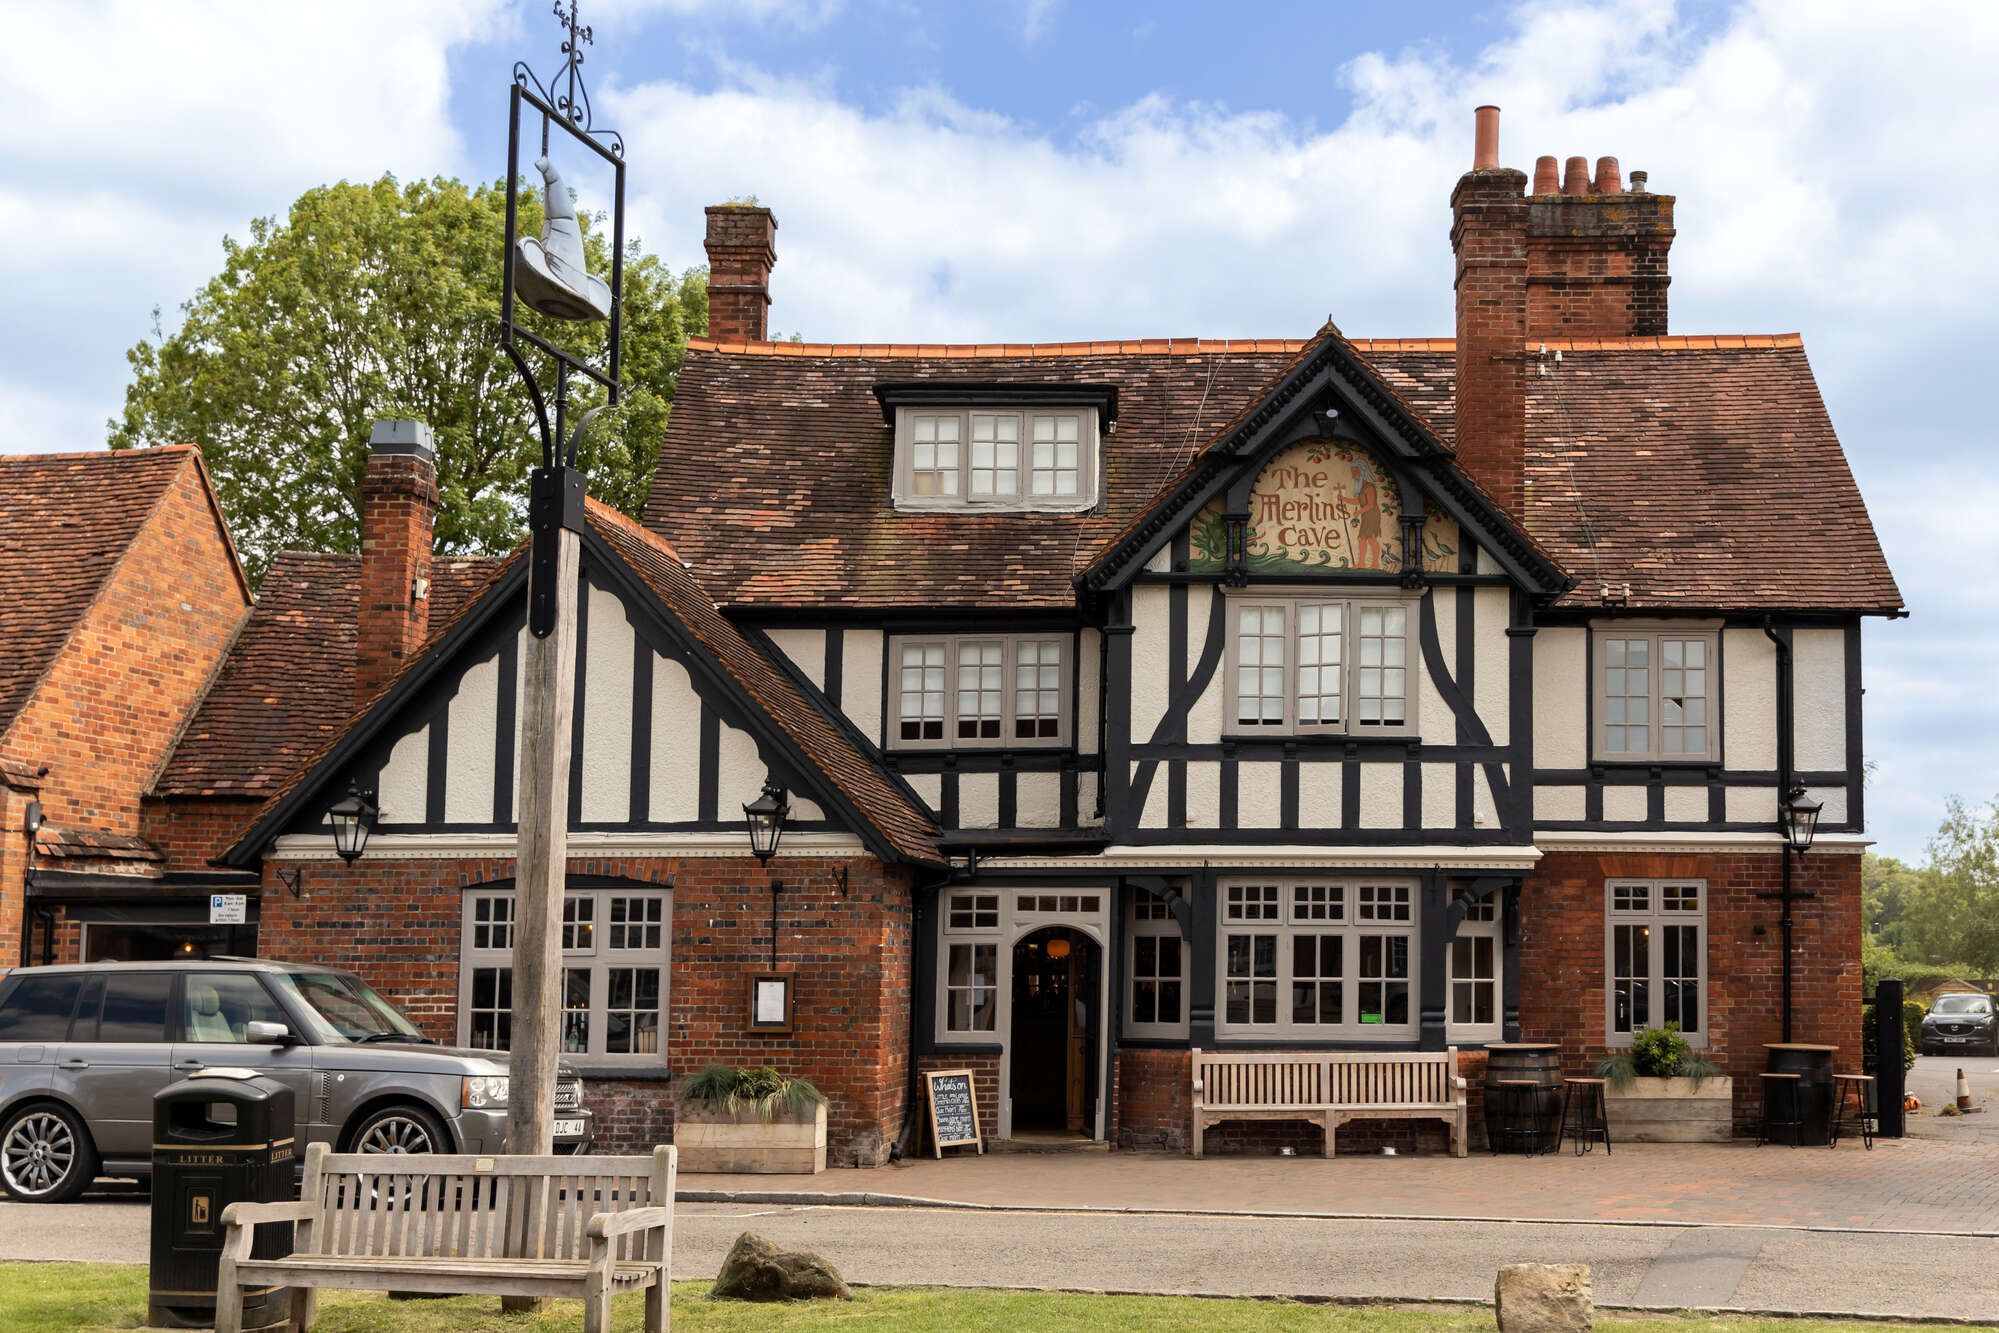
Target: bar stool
(1585, 1114)
(1861, 1088)
(1793, 1109)
(1514, 1125)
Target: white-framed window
(971, 962)
(1655, 957)
(1474, 958)
(1034, 458)
(1317, 958)
(1156, 970)
(1655, 693)
(979, 691)
(1312, 664)
(615, 943)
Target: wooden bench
(586, 1227)
(1329, 1088)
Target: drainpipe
(1786, 722)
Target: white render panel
(1086, 799)
(1834, 801)
(468, 748)
(1319, 796)
(1154, 814)
(1259, 795)
(1440, 796)
(1749, 700)
(978, 800)
(676, 745)
(1561, 694)
(1492, 611)
(1037, 800)
(1686, 805)
(405, 779)
(1204, 793)
(1205, 714)
(1818, 698)
(861, 681)
(806, 649)
(1484, 810)
(607, 710)
(1624, 804)
(1486, 564)
(1089, 674)
(1381, 795)
(1434, 718)
(1150, 658)
(1554, 804)
(1162, 560)
(1752, 805)
(928, 786)
(741, 773)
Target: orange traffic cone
(1963, 1092)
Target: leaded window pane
(995, 469)
(921, 692)
(1056, 455)
(1319, 664)
(1260, 635)
(1037, 689)
(981, 682)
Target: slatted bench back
(1263, 1080)
(1341, 1078)
(1398, 1079)
(455, 1206)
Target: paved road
(1934, 1080)
(1668, 1266)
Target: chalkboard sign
(954, 1110)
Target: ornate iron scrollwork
(573, 102)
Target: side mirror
(259, 1033)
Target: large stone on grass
(1544, 1298)
(757, 1270)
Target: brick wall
(114, 700)
(1489, 239)
(396, 923)
(1596, 265)
(1562, 960)
(1154, 1108)
(742, 249)
(192, 831)
(398, 512)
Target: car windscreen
(344, 1008)
(1963, 1004)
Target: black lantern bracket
(555, 499)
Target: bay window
(614, 972)
(1655, 958)
(1310, 664)
(1317, 958)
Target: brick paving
(1903, 1185)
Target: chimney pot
(1608, 180)
(1575, 177)
(1638, 179)
(1485, 138)
(1547, 179)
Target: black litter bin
(221, 1137)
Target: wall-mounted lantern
(353, 819)
(766, 816)
(1801, 819)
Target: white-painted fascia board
(1237, 857)
(1689, 840)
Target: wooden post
(548, 693)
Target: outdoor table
(1813, 1064)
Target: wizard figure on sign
(550, 273)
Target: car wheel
(400, 1129)
(46, 1155)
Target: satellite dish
(550, 274)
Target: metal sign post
(550, 274)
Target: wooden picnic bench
(1329, 1088)
(586, 1227)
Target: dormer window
(997, 447)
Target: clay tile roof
(67, 521)
(72, 844)
(879, 800)
(1704, 467)
(287, 687)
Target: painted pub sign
(1318, 506)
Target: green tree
(1888, 888)
(1956, 915)
(383, 300)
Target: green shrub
(1911, 1039)
(765, 1091)
(1657, 1053)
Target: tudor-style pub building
(1127, 698)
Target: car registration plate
(568, 1127)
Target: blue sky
(1049, 169)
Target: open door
(1053, 1046)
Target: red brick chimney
(398, 513)
(1489, 237)
(1579, 257)
(742, 250)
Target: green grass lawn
(74, 1298)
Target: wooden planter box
(1672, 1110)
(711, 1140)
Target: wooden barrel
(1540, 1117)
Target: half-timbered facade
(1136, 697)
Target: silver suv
(84, 1048)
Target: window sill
(1627, 765)
(623, 1073)
(1400, 739)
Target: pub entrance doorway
(1053, 1050)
